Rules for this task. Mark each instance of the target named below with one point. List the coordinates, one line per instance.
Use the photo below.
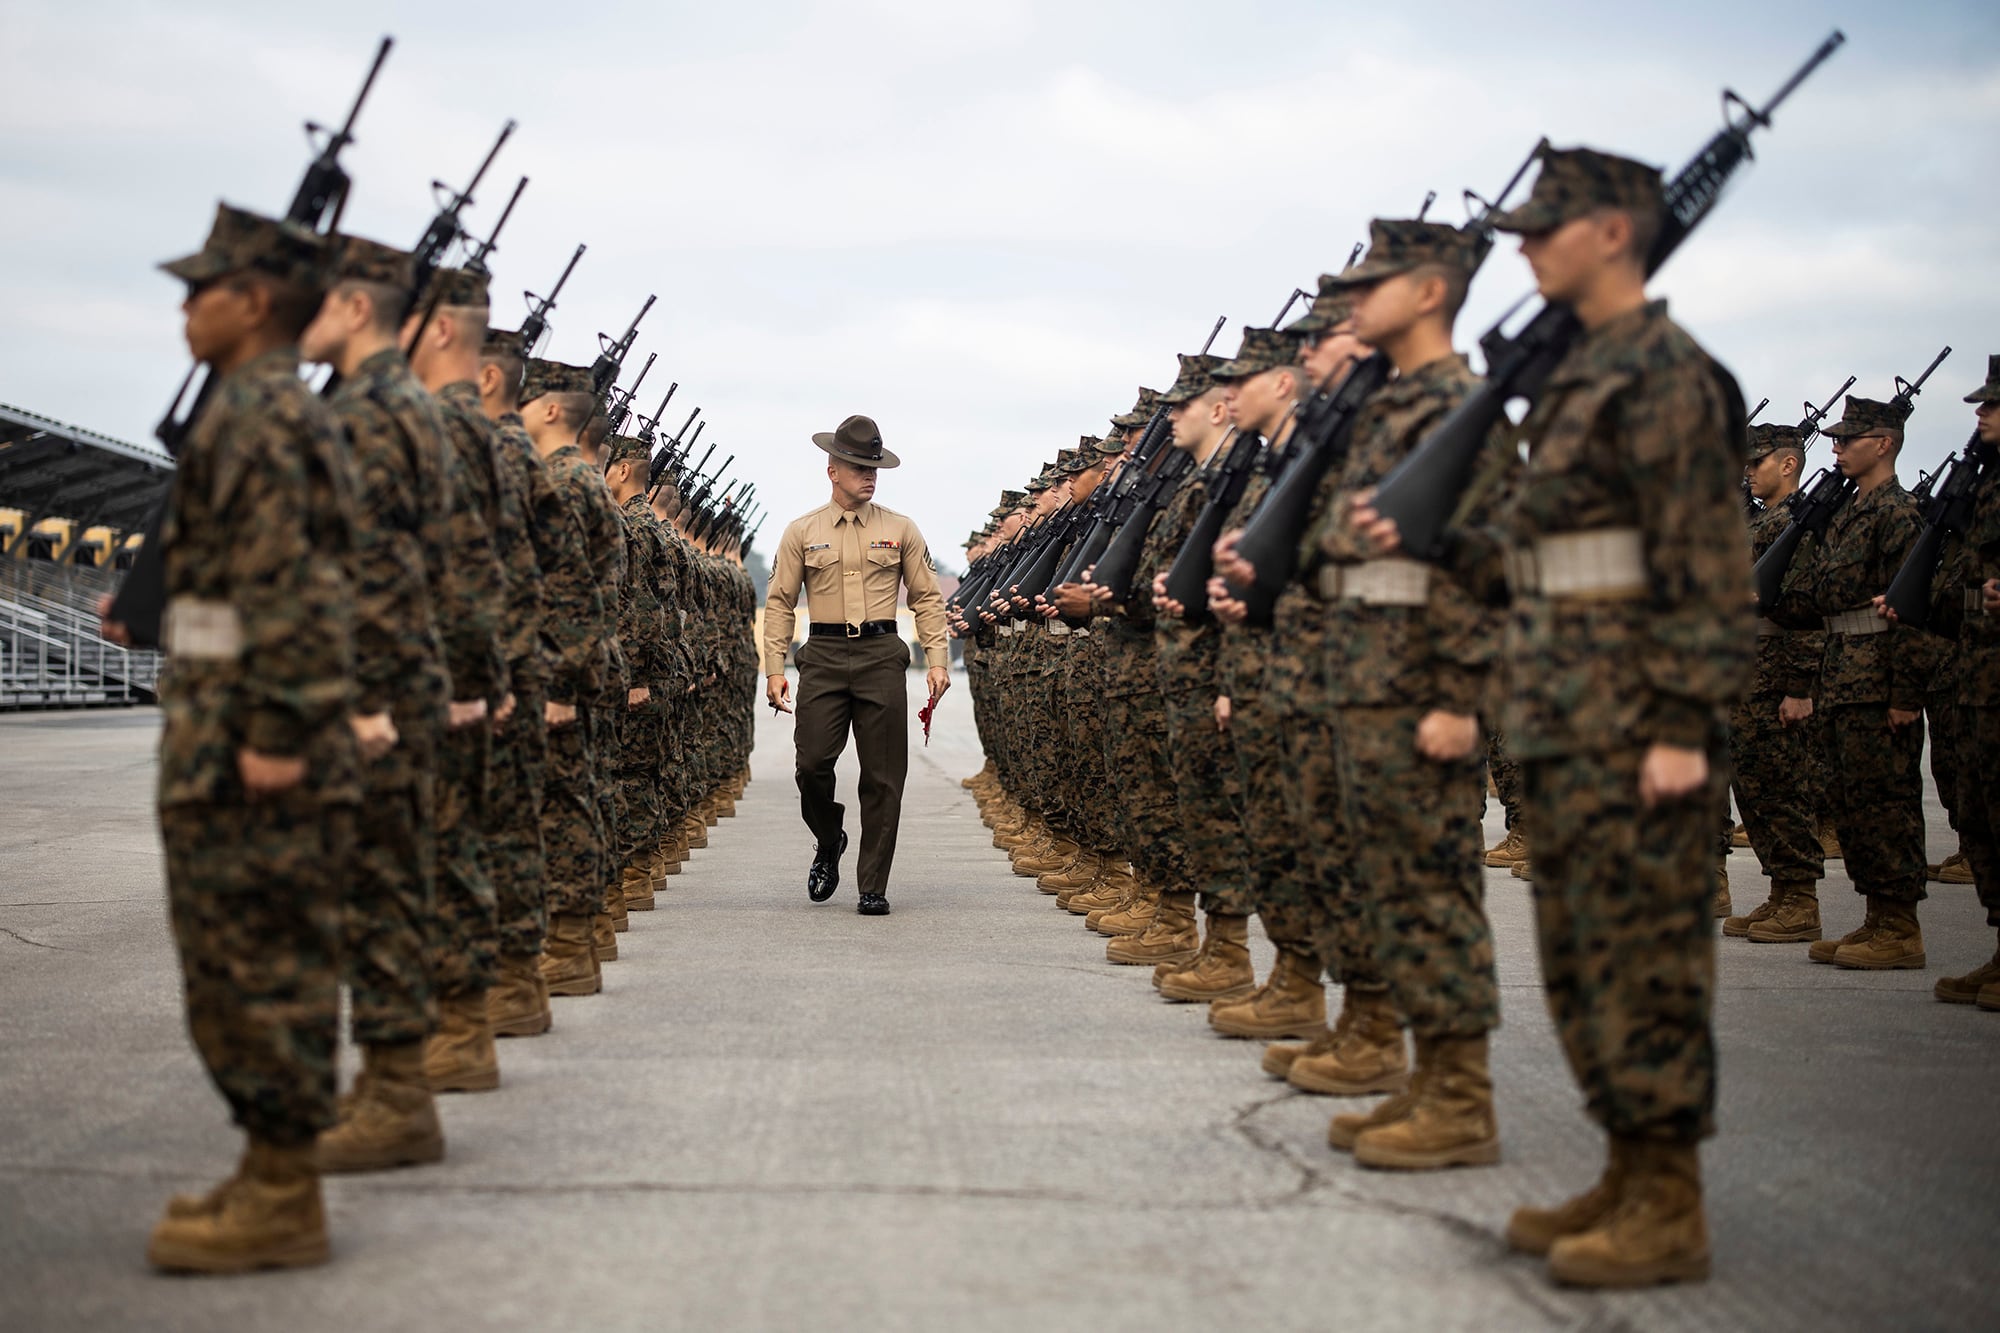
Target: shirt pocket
(885, 559)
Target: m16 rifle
(1822, 500)
(537, 322)
(317, 204)
(1423, 491)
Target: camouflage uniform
(1773, 772)
(1649, 642)
(1958, 609)
(488, 543)
(260, 655)
(641, 635)
(396, 440)
(1867, 668)
(1395, 654)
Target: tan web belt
(1602, 565)
(1057, 629)
(198, 630)
(1861, 620)
(1377, 582)
(1005, 631)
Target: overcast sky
(986, 225)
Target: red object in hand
(924, 716)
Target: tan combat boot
(460, 1055)
(1369, 1057)
(1965, 989)
(1720, 905)
(268, 1215)
(1450, 1119)
(391, 1118)
(1080, 873)
(569, 961)
(1954, 869)
(1510, 849)
(1280, 1056)
(635, 884)
(518, 1004)
(1052, 853)
(1739, 836)
(1823, 951)
(1989, 997)
(697, 831)
(614, 905)
(1829, 842)
(672, 851)
(1658, 1232)
(708, 810)
(604, 937)
(1536, 1230)
(1170, 937)
(1291, 1004)
(1108, 892)
(1345, 1128)
(1521, 870)
(1898, 942)
(1737, 927)
(1131, 919)
(1220, 970)
(656, 875)
(1794, 919)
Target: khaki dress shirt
(852, 566)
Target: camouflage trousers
(637, 789)
(1627, 945)
(1294, 917)
(676, 788)
(1976, 746)
(465, 932)
(387, 901)
(604, 723)
(572, 827)
(514, 830)
(1773, 786)
(1506, 776)
(1417, 861)
(1092, 803)
(1209, 787)
(1878, 799)
(254, 894)
(1940, 716)
(1135, 755)
(1314, 764)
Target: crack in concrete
(39, 944)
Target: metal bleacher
(51, 655)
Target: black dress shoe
(873, 904)
(824, 877)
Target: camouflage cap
(1089, 452)
(1865, 416)
(358, 259)
(1573, 181)
(1142, 411)
(1262, 350)
(1197, 377)
(623, 447)
(1333, 307)
(1066, 462)
(553, 377)
(503, 342)
(1768, 439)
(1988, 392)
(240, 239)
(457, 286)
(1042, 480)
(1397, 245)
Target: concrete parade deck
(782, 1116)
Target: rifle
(1144, 482)
(618, 410)
(1829, 491)
(1809, 423)
(1751, 504)
(475, 262)
(610, 360)
(649, 426)
(1947, 513)
(439, 237)
(1324, 425)
(1187, 577)
(1422, 491)
(537, 322)
(317, 204)
(666, 461)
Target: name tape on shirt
(820, 546)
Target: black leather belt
(867, 629)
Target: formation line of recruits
(1168, 771)
(445, 699)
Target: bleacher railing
(51, 655)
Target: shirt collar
(859, 517)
